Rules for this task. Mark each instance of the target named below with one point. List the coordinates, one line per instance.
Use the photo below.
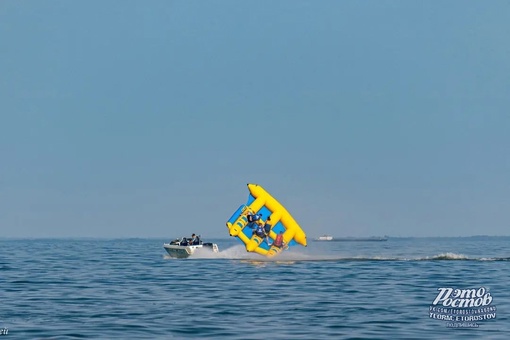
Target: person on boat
(184, 242)
(278, 242)
(194, 239)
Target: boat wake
(239, 252)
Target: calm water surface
(128, 288)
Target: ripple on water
(126, 288)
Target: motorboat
(325, 238)
(184, 248)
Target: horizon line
(222, 237)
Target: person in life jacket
(260, 232)
(253, 219)
(267, 225)
(278, 242)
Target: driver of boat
(194, 239)
(184, 242)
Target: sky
(148, 118)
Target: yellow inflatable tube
(261, 202)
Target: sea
(402, 288)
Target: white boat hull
(183, 252)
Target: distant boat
(362, 239)
(325, 238)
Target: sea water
(129, 289)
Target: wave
(461, 257)
(238, 252)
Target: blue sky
(147, 119)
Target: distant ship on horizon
(325, 238)
(359, 239)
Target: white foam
(450, 256)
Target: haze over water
(129, 288)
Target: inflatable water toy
(273, 215)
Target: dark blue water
(127, 288)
